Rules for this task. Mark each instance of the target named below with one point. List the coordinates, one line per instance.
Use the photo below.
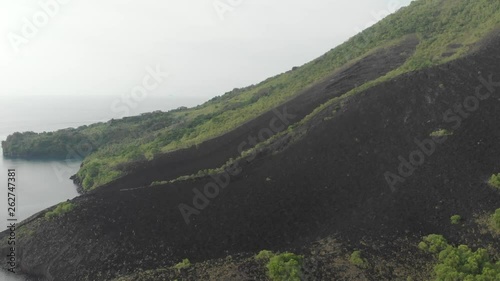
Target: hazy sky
(208, 47)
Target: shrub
(455, 219)
(285, 267)
(185, 263)
(356, 259)
(495, 220)
(460, 263)
(62, 208)
(264, 255)
(433, 243)
(441, 133)
(495, 181)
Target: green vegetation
(455, 219)
(357, 259)
(441, 133)
(110, 148)
(495, 220)
(62, 208)
(264, 255)
(185, 263)
(281, 267)
(495, 181)
(25, 232)
(80, 142)
(285, 267)
(433, 243)
(460, 263)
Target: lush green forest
(82, 141)
(447, 29)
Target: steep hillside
(323, 196)
(352, 174)
(446, 30)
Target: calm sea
(41, 184)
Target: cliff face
(365, 171)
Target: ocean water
(41, 184)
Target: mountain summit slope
(446, 30)
(376, 155)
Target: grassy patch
(441, 133)
(489, 222)
(62, 208)
(185, 263)
(357, 259)
(264, 255)
(495, 181)
(495, 220)
(455, 219)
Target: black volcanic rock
(329, 182)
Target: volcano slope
(215, 152)
(121, 150)
(322, 193)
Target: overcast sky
(208, 47)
